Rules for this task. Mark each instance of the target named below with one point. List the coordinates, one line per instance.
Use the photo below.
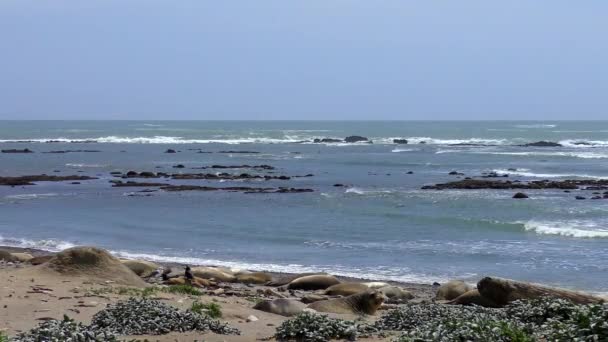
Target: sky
(306, 60)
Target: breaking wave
(575, 228)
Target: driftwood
(504, 291)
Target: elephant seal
(395, 294)
(196, 281)
(313, 282)
(6, 256)
(213, 273)
(281, 306)
(253, 278)
(346, 289)
(22, 257)
(364, 303)
(313, 297)
(473, 297)
(452, 289)
(376, 284)
(142, 268)
(288, 279)
(39, 260)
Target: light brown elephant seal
(253, 278)
(142, 268)
(196, 282)
(473, 297)
(364, 303)
(288, 279)
(22, 257)
(346, 289)
(213, 273)
(281, 306)
(452, 289)
(313, 282)
(396, 295)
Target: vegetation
(212, 310)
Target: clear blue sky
(308, 59)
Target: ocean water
(382, 226)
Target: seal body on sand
(253, 278)
(474, 297)
(346, 289)
(39, 260)
(196, 281)
(452, 289)
(364, 303)
(395, 294)
(288, 279)
(281, 306)
(313, 282)
(22, 257)
(142, 268)
(212, 273)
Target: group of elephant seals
(363, 303)
(288, 279)
(452, 290)
(213, 273)
(281, 306)
(313, 282)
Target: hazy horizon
(313, 60)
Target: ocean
(381, 225)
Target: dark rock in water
(75, 183)
(583, 143)
(25, 150)
(506, 185)
(567, 191)
(512, 169)
(116, 173)
(244, 152)
(596, 197)
(245, 166)
(580, 197)
(520, 195)
(27, 180)
(72, 151)
(422, 142)
(494, 175)
(410, 172)
(327, 140)
(120, 184)
(542, 143)
(178, 166)
(339, 185)
(244, 189)
(455, 173)
(400, 141)
(170, 151)
(355, 138)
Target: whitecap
(526, 173)
(536, 126)
(51, 245)
(574, 228)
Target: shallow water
(382, 226)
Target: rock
(283, 307)
(327, 140)
(313, 282)
(504, 291)
(28, 180)
(580, 197)
(520, 195)
(339, 185)
(542, 143)
(254, 278)
(22, 257)
(178, 166)
(142, 268)
(25, 150)
(252, 318)
(355, 138)
(452, 289)
(568, 184)
(400, 141)
(170, 151)
(455, 173)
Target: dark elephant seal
(473, 297)
(364, 303)
(288, 279)
(346, 289)
(313, 282)
(281, 306)
(452, 289)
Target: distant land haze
(311, 60)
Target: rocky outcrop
(400, 141)
(25, 150)
(520, 195)
(542, 143)
(355, 138)
(509, 185)
(327, 140)
(28, 180)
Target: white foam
(397, 150)
(75, 165)
(50, 245)
(536, 126)
(525, 173)
(31, 196)
(571, 154)
(582, 143)
(574, 228)
(438, 141)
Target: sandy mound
(93, 263)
